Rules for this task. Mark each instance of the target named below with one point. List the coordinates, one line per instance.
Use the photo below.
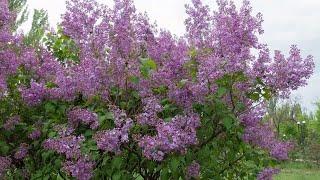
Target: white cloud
(309, 94)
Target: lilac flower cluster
(77, 165)
(263, 136)
(64, 131)
(150, 110)
(287, 73)
(35, 134)
(193, 170)
(4, 12)
(267, 174)
(111, 140)
(81, 169)
(22, 151)
(68, 145)
(5, 163)
(198, 23)
(35, 94)
(3, 87)
(174, 136)
(120, 116)
(78, 115)
(9, 42)
(11, 123)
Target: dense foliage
(109, 95)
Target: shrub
(111, 96)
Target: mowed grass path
(298, 171)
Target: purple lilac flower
(22, 151)
(174, 136)
(150, 110)
(81, 169)
(78, 115)
(267, 174)
(3, 86)
(11, 123)
(264, 137)
(198, 24)
(120, 116)
(4, 12)
(68, 145)
(193, 170)
(151, 148)
(5, 163)
(64, 131)
(35, 94)
(35, 134)
(111, 140)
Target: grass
(298, 171)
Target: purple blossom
(84, 116)
(151, 148)
(81, 169)
(49, 68)
(5, 163)
(35, 94)
(151, 108)
(198, 24)
(64, 131)
(68, 145)
(3, 86)
(289, 73)
(22, 151)
(4, 12)
(11, 123)
(111, 140)
(267, 174)
(264, 137)
(35, 134)
(174, 136)
(120, 116)
(193, 170)
(280, 150)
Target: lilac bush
(110, 95)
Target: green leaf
(59, 177)
(50, 107)
(221, 91)
(88, 133)
(109, 115)
(165, 175)
(147, 65)
(4, 147)
(134, 79)
(52, 134)
(174, 164)
(227, 122)
(117, 162)
(254, 96)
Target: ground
(298, 171)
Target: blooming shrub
(112, 96)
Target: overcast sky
(286, 22)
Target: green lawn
(298, 171)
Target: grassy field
(298, 171)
